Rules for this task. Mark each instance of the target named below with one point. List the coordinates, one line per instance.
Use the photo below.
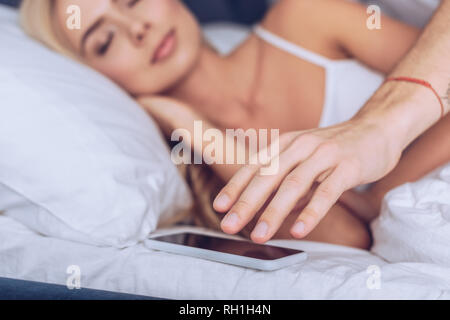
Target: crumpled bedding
(415, 223)
(409, 260)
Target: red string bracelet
(423, 83)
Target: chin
(156, 83)
(189, 53)
(182, 64)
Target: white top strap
(292, 48)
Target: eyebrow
(91, 29)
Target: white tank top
(348, 83)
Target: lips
(165, 48)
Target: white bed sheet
(407, 269)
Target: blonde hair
(36, 20)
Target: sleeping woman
(309, 63)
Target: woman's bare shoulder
(308, 23)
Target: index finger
(232, 190)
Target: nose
(138, 31)
(136, 28)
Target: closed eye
(132, 3)
(101, 51)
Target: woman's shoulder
(308, 23)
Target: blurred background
(239, 11)
(249, 12)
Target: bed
(410, 258)
(399, 266)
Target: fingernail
(230, 220)
(222, 200)
(261, 230)
(298, 228)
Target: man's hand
(338, 158)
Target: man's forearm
(408, 109)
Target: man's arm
(409, 109)
(358, 151)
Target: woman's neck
(219, 84)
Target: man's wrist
(402, 111)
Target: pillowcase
(79, 159)
(225, 37)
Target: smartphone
(233, 250)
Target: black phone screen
(232, 246)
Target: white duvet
(410, 259)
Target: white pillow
(79, 159)
(225, 37)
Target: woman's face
(145, 46)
